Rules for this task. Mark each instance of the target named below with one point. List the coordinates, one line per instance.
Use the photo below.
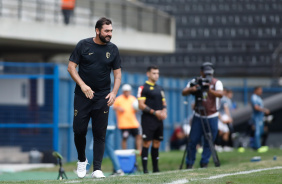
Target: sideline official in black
(152, 102)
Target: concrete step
(9, 149)
(22, 167)
(15, 158)
(13, 154)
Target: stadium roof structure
(37, 27)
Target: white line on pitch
(182, 181)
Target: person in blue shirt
(257, 117)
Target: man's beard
(103, 38)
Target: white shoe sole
(81, 176)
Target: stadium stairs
(13, 154)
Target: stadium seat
(233, 33)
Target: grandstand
(242, 38)
(239, 37)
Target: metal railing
(124, 13)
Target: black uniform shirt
(153, 95)
(95, 64)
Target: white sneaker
(227, 149)
(81, 168)
(218, 148)
(98, 174)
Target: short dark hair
(149, 68)
(102, 21)
(257, 87)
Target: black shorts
(96, 109)
(126, 132)
(152, 129)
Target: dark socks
(155, 159)
(264, 138)
(224, 143)
(144, 156)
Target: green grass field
(231, 163)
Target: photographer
(207, 90)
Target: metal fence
(126, 14)
(28, 105)
(36, 106)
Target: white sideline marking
(241, 172)
(181, 181)
(73, 181)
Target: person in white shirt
(207, 95)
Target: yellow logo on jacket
(108, 55)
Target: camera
(202, 83)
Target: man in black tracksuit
(96, 57)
